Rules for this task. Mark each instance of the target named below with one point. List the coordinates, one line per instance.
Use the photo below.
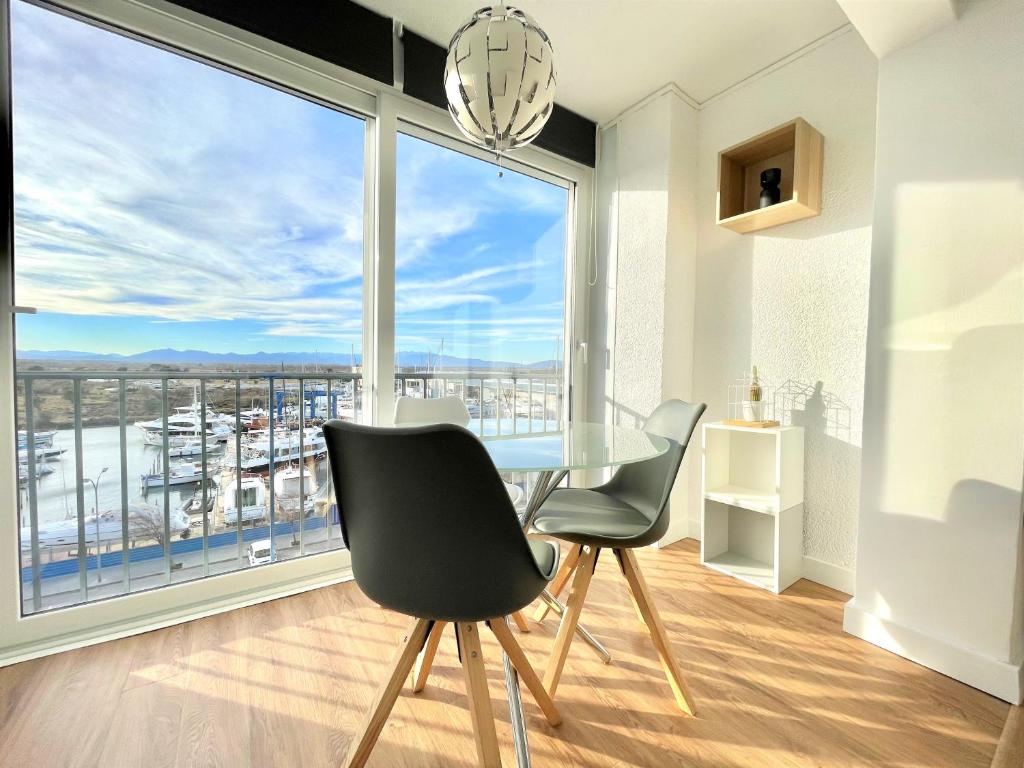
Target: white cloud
(150, 185)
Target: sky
(161, 202)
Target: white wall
(939, 550)
(694, 305)
(646, 269)
(793, 299)
(645, 194)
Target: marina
(265, 471)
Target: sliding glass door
(201, 263)
(480, 286)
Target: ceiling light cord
(592, 274)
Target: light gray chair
(443, 546)
(629, 511)
(442, 410)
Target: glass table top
(576, 445)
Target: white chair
(442, 410)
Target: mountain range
(273, 359)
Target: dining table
(547, 455)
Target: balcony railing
(498, 403)
(256, 488)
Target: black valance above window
(338, 31)
(351, 36)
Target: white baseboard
(834, 576)
(995, 677)
(50, 645)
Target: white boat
(187, 423)
(41, 437)
(256, 454)
(178, 474)
(41, 470)
(42, 453)
(194, 506)
(254, 418)
(253, 499)
(144, 522)
(286, 490)
(191, 447)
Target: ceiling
(609, 54)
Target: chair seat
(593, 518)
(515, 493)
(546, 554)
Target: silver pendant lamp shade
(500, 78)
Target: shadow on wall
(944, 552)
(832, 461)
(814, 409)
(966, 584)
(625, 416)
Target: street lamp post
(96, 515)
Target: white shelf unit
(752, 510)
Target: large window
(480, 287)
(208, 256)
(193, 243)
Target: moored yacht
(186, 423)
(256, 449)
(252, 501)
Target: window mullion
(381, 368)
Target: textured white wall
(641, 306)
(793, 300)
(680, 294)
(939, 551)
(644, 147)
(646, 260)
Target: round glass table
(552, 454)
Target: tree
(147, 523)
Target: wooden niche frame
(795, 147)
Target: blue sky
(160, 202)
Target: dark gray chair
(629, 511)
(440, 542)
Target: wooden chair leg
(558, 583)
(571, 617)
(425, 659)
(479, 697)
(644, 605)
(520, 621)
(362, 746)
(525, 670)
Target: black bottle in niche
(770, 192)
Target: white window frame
(383, 106)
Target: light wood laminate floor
(286, 683)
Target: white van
(259, 552)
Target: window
(193, 242)
(480, 287)
(200, 247)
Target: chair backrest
(430, 528)
(435, 410)
(646, 485)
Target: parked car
(259, 552)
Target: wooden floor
(286, 683)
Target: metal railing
(294, 403)
(59, 573)
(511, 402)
